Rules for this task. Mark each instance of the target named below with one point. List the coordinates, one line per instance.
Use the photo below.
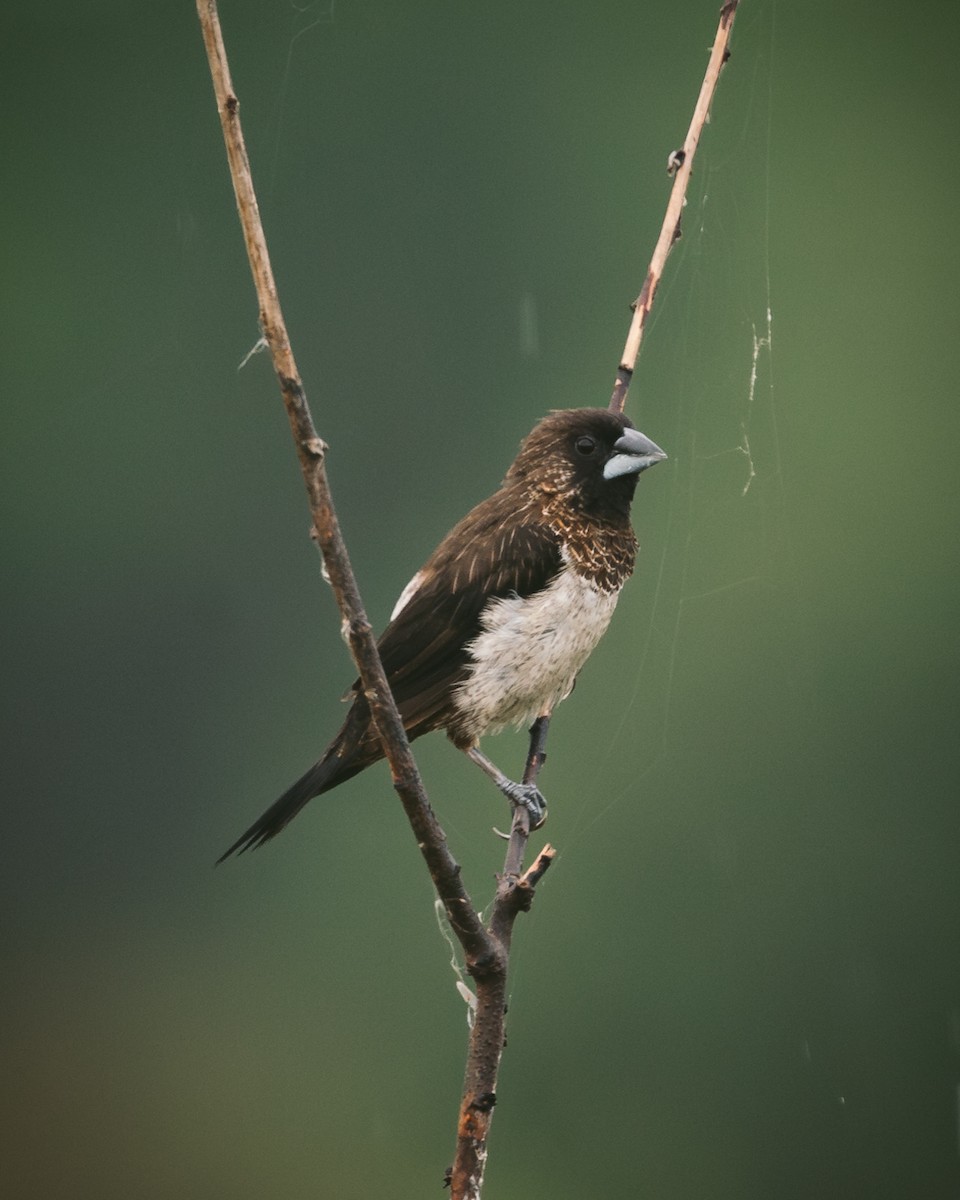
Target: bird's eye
(585, 446)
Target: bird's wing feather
(489, 554)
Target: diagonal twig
(311, 452)
(680, 166)
(486, 949)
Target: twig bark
(486, 949)
(681, 164)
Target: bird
(494, 628)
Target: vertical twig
(514, 895)
(681, 164)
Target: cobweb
(716, 549)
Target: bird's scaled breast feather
(424, 648)
(527, 656)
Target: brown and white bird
(494, 628)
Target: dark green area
(742, 977)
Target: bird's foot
(528, 796)
(520, 795)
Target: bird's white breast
(528, 655)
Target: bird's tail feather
(354, 747)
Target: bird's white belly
(527, 657)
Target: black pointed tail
(356, 746)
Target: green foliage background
(741, 979)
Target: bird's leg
(526, 794)
(537, 754)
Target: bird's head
(589, 456)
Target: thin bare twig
(486, 950)
(681, 164)
(311, 451)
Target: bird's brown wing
(491, 553)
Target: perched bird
(494, 628)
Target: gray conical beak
(634, 453)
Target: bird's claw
(528, 796)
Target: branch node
(292, 388)
(541, 865)
(361, 629)
(488, 964)
(519, 894)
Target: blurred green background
(742, 977)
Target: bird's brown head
(588, 457)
